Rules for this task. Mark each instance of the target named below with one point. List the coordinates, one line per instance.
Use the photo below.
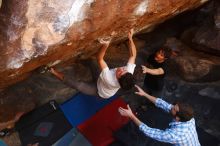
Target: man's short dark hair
(185, 112)
(126, 81)
(167, 51)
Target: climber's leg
(83, 87)
(86, 88)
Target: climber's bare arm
(132, 48)
(101, 54)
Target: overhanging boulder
(37, 32)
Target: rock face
(208, 40)
(192, 75)
(192, 65)
(206, 36)
(37, 32)
(194, 69)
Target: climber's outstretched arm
(101, 54)
(132, 48)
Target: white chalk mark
(75, 14)
(141, 9)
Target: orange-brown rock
(34, 33)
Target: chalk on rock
(105, 40)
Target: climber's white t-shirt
(108, 84)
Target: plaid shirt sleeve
(161, 135)
(160, 103)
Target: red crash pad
(100, 127)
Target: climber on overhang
(109, 81)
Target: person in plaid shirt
(181, 132)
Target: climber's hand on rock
(105, 41)
(130, 33)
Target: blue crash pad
(2, 143)
(81, 107)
